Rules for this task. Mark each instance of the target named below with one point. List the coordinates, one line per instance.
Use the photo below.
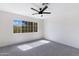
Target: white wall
(63, 25)
(7, 36)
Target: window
(35, 27)
(20, 26)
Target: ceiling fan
(41, 11)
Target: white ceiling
(24, 9)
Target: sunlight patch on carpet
(28, 46)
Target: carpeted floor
(39, 48)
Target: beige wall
(7, 36)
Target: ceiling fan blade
(34, 13)
(46, 12)
(45, 3)
(44, 8)
(34, 9)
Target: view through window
(20, 26)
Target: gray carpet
(48, 49)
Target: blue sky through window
(17, 22)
